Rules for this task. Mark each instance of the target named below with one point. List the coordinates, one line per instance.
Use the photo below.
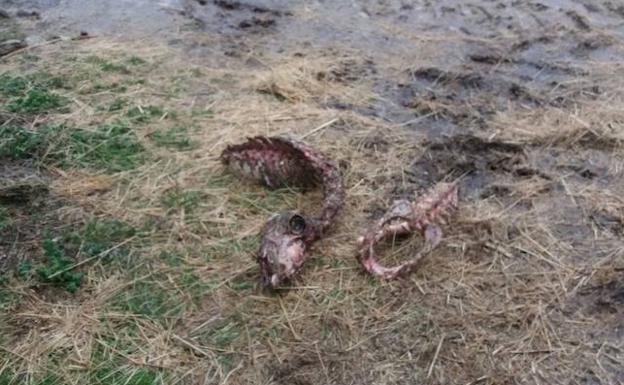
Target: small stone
(29, 14)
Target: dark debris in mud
(239, 6)
(580, 21)
(235, 17)
(349, 71)
(480, 163)
(20, 193)
(604, 295)
(463, 96)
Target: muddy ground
(521, 99)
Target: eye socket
(297, 224)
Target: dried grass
(501, 301)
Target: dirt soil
(522, 100)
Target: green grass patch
(101, 235)
(223, 335)
(55, 270)
(29, 58)
(25, 269)
(175, 138)
(162, 296)
(172, 258)
(241, 284)
(5, 219)
(18, 142)
(136, 61)
(107, 65)
(117, 105)
(336, 263)
(9, 30)
(36, 101)
(110, 148)
(96, 237)
(32, 94)
(192, 284)
(114, 67)
(13, 85)
(109, 368)
(7, 377)
(153, 299)
(110, 374)
(225, 180)
(145, 114)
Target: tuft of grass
(29, 58)
(13, 85)
(24, 269)
(107, 65)
(55, 271)
(109, 367)
(17, 142)
(117, 105)
(112, 148)
(33, 93)
(114, 67)
(176, 199)
(116, 374)
(47, 80)
(171, 258)
(5, 219)
(193, 285)
(145, 114)
(37, 101)
(136, 61)
(97, 86)
(241, 284)
(174, 138)
(151, 299)
(13, 379)
(223, 335)
(9, 30)
(100, 235)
